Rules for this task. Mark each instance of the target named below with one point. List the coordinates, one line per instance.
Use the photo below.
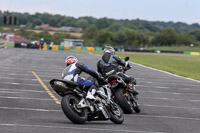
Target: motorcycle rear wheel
(77, 116)
(122, 101)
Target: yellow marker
(47, 89)
(125, 94)
(195, 53)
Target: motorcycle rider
(109, 65)
(72, 73)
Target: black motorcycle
(122, 93)
(79, 110)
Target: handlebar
(124, 69)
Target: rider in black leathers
(109, 65)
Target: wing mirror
(127, 58)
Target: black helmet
(109, 49)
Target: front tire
(136, 107)
(116, 114)
(77, 116)
(122, 102)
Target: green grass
(176, 48)
(9, 44)
(180, 64)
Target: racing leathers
(109, 65)
(72, 73)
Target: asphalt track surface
(169, 104)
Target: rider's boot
(90, 95)
(132, 89)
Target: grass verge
(177, 48)
(9, 44)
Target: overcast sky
(187, 11)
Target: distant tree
(102, 23)
(196, 33)
(67, 21)
(82, 23)
(167, 37)
(142, 39)
(46, 17)
(131, 38)
(150, 27)
(53, 22)
(37, 22)
(115, 27)
(91, 32)
(90, 20)
(23, 20)
(185, 39)
(119, 38)
(104, 37)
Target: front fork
(133, 100)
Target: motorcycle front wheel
(69, 107)
(116, 114)
(136, 107)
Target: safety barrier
(68, 48)
(90, 48)
(1, 44)
(192, 53)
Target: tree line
(106, 31)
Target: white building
(70, 29)
(72, 42)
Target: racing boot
(90, 95)
(132, 89)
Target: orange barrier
(66, 48)
(55, 47)
(78, 48)
(90, 48)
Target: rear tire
(122, 102)
(77, 116)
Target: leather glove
(134, 81)
(129, 66)
(101, 79)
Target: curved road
(169, 104)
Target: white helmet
(70, 59)
(109, 49)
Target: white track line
(76, 128)
(17, 90)
(19, 84)
(153, 86)
(30, 109)
(8, 92)
(162, 106)
(169, 99)
(162, 87)
(26, 98)
(167, 83)
(167, 117)
(17, 78)
(171, 93)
